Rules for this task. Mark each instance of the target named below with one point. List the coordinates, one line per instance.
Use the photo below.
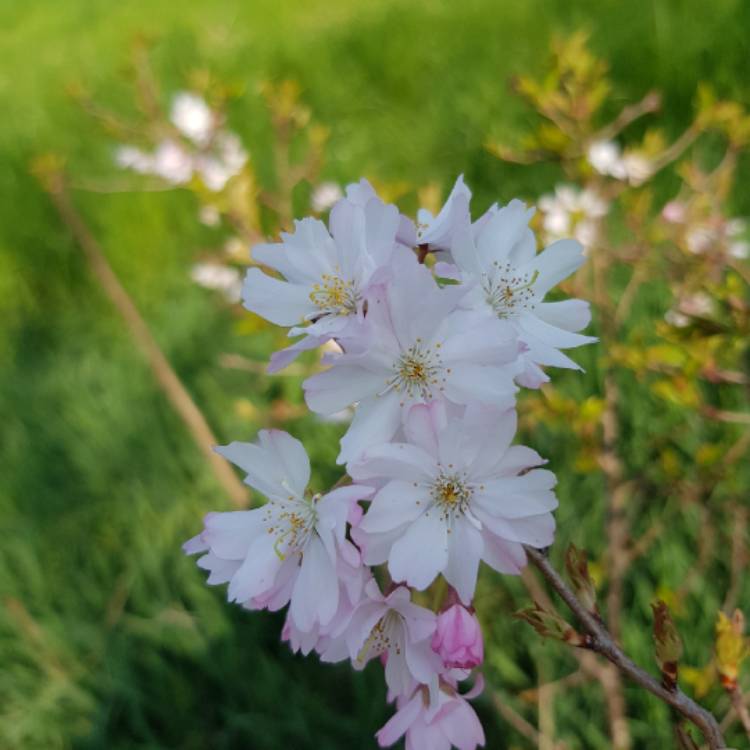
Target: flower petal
(421, 553)
(396, 505)
(280, 302)
(465, 551)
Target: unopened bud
(731, 647)
(667, 644)
(577, 566)
(551, 625)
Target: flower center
(291, 522)
(508, 292)
(451, 493)
(334, 296)
(417, 372)
(381, 639)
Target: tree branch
(603, 644)
(53, 181)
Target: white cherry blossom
(454, 496)
(510, 281)
(400, 632)
(414, 346)
(293, 548)
(327, 273)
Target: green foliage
(109, 637)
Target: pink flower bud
(458, 638)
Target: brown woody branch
(602, 643)
(53, 180)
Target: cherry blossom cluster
(436, 324)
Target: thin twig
(175, 391)
(650, 103)
(603, 644)
(740, 707)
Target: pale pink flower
(293, 548)
(436, 232)
(438, 724)
(458, 638)
(454, 495)
(326, 273)
(414, 346)
(510, 281)
(395, 629)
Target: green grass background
(109, 637)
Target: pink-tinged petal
(381, 225)
(468, 383)
(312, 239)
(443, 270)
(477, 338)
(299, 265)
(399, 723)
(316, 592)
(278, 301)
(464, 252)
(194, 545)
(570, 314)
(407, 232)
(423, 424)
(557, 262)
(423, 663)
(427, 735)
(284, 357)
(341, 386)
(502, 555)
(394, 461)
(265, 471)
(507, 228)
(229, 535)
(465, 551)
(421, 553)
(375, 547)
(258, 571)
(537, 480)
(550, 335)
(545, 354)
(463, 728)
(495, 501)
(517, 458)
(278, 596)
(221, 571)
(375, 421)
(291, 457)
(532, 376)
(495, 438)
(537, 531)
(395, 505)
(416, 303)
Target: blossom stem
(603, 644)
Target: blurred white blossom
(573, 212)
(325, 195)
(212, 155)
(224, 279)
(607, 159)
(192, 117)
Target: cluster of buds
(436, 325)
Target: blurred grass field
(109, 637)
